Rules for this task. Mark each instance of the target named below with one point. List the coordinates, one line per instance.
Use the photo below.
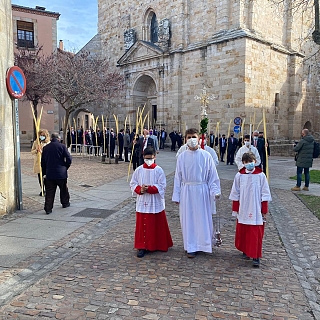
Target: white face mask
(192, 142)
(148, 162)
(42, 138)
(255, 138)
(247, 144)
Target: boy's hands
(144, 188)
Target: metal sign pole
(18, 180)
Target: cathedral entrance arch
(145, 93)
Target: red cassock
(152, 231)
(249, 238)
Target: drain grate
(94, 213)
(85, 186)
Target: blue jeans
(306, 175)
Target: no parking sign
(16, 82)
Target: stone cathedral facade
(248, 54)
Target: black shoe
(256, 263)
(48, 212)
(141, 253)
(244, 256)
(127, 161)
(66, 205)
(120, 160)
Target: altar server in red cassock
(149, 183)
(250, 194)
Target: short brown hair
(192, 131)
(248, 157)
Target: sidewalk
(79, 262)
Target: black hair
(247, 136)
(149, 151)
(192, 131)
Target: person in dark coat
(72, 139)
(259, 142)
(135, 152)
(211, 139)
(112, 138)
(120, 144)
(126, 145)
(144, 142)
(232, 147)
(222, 146)
(163, 137)
(55, 163)
(304, 159)
(173, 137)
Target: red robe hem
(152, 232)
(249, 239)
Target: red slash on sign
(16, 82)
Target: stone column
(7, 190)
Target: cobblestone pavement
(94, 273)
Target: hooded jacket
(305, 151)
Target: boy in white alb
(250, 194)
(149, 183)
(196, 181)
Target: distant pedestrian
(163, 137)
(55, 163)
(250, 194)
(126, 145)
(36, 150)
(149, 183)
(222, 146)
(173, 136)
(232, 147)
(304, 159)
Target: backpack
(316, 150)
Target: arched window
(154, 29)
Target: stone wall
(248, 53)
(7, 191)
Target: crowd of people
(196, 182)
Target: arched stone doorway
(145, 93)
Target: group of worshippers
(196, 190)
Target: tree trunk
(65, 126)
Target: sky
(77, 23)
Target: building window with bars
(25, 34)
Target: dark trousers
(162, 141)
(135, 161)
(173, 145)
(222, 152)
(51, 187)
(230, 157)
(306, 176)
(126, 154)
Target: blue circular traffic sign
(236, 129)
(16, 82)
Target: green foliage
(203, 125)
(314, 176)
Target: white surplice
(196, 181)
(244, 149)
(149, 203)
(250, 190)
